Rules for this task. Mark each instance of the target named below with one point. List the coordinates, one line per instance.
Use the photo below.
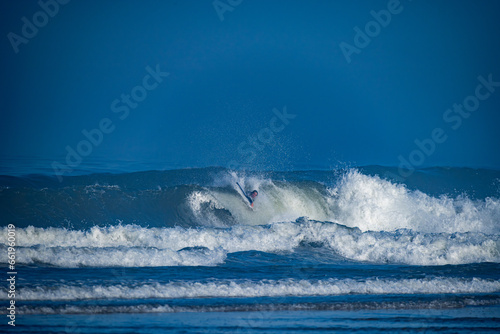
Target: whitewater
(168, 242)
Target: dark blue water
(180, 251)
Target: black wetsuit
(249, 199)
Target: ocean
(179, 251)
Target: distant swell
(255, 307)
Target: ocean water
(352, 250)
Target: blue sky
(226, 77)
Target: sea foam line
(131, 245)
(253, 307)
(262, 288)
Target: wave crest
(132, 245)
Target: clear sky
(351, 98)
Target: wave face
(434, 201)
(185, 240)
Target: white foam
(202, 205)
(70, 257)
(262, 288)
(358, 200)
(131, 245)
(372, 203)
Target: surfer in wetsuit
(251, 197)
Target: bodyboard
(247, 199)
